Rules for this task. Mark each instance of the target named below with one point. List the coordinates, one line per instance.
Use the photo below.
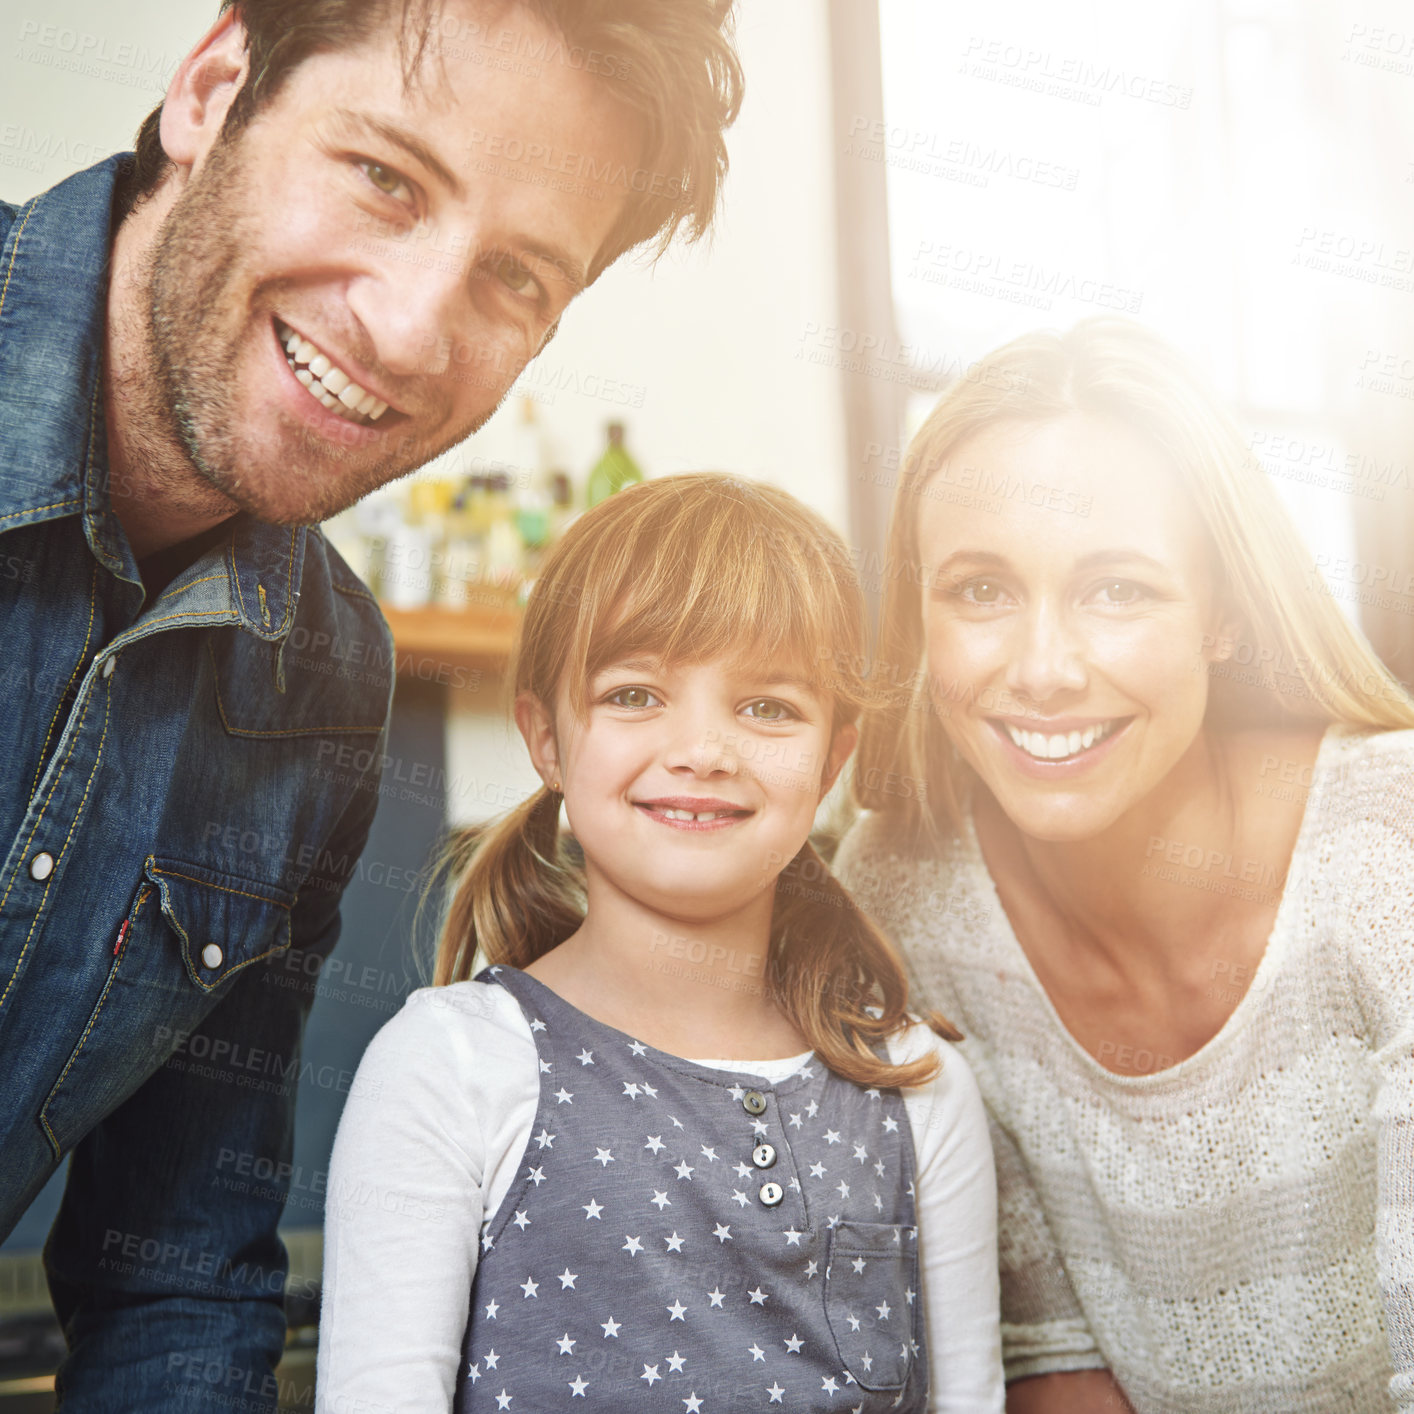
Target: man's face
(363, 232)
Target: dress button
(771, 1194)
(41, 866)
(754, 1102)
(212, 956)
(108, 665)
(763, 1156)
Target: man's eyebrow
(409, 142)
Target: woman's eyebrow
(1127, 554)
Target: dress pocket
(871, 1299)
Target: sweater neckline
(1273, 952)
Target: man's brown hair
(670, 60)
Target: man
(343, 235)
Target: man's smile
(326, 382)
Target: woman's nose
(1047, 658)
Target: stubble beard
(196, 284)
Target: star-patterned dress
(685, 1238)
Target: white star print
(585, 1058)
(811, 1269)
(491, 1310)
(884, 1310)
(611, 1327)
(545, 1139)
(487, 1242)
(739, 1197)
(872, 1093)
(473, 1373)
(661, 1199)
(832, 1136)
(755, 1351)
(812, 1109)
(677, 1312)
(568, 1279)
(842, 1188)
(715, 1297)
(853, 1321)
(544, 1067)
(578, 1386)
(858, 1264)
(879, 1167)
(909, 1295)
(879, 1206)
(676, 1362)
(638, 1048)
(890, 1124)
(860, 1152)
(818, 1170)
(760, 1127)
(684, 1170)
(792, 1237)
(758, 1297)
(631, 1090)
(742, 1170)
(794, 1343)
(503, 1400)
(536, 1176)
(867, 1362)
(650, 1373)
(565, 1343)
(604, 1156)
(632, 1246)
(592, 1210)
(491, 1359)
(709, 1153)
(655, 1142)
(776, 1393)
(677, 1123)
(722, 1233)
(829, 1386)
(737, 1093)
(521, 1220)
(674, 1242)
(564, 1096)
(648, 1090)
(531, 1287)
(796, 1121)
(693, 1403)
(537, 1024)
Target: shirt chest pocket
(219, 923)
(872, 1301)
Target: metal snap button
(771, 1194)
(42, 866)
(763, 1155)
(754, 1102)
(108, 665)
(212, 956)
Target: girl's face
(689, 786)
(1069, 618)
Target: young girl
(679, 1147)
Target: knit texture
(1234, 1232)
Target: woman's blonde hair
(1303, 657)
(692, 569)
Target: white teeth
(675, 814)
(1061, 745)
(327, 381)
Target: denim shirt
(187, 789)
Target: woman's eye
(631, 697)
(979, 591)
(1120, 591)
(386, 179)
(768, 709)
(513, 275)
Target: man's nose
(1047, 657)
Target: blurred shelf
(478, 636)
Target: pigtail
(518, 895)
(838, 978)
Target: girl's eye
(513, 275)
(386, 179)
(768, 709)
(631, 697)
(1119, 591)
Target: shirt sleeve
(1372, 855)
(434, 1110)
(957, 1231)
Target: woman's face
(1069, 617)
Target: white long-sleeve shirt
(434, 1129)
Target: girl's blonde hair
(692, 569)
(1305, 659)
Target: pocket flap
(223, 923)
(871, 1300)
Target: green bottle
(614, 470)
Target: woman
(1142, 818)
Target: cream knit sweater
(1235, 1232)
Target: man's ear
(840, 750)
(537, 727)
(202, 91)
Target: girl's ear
(202, 91)
(537, 727)
(840, 748)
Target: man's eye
(386, 179)
(513, 275)
(767, 709)
(631, 697)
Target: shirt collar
(53, 441)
